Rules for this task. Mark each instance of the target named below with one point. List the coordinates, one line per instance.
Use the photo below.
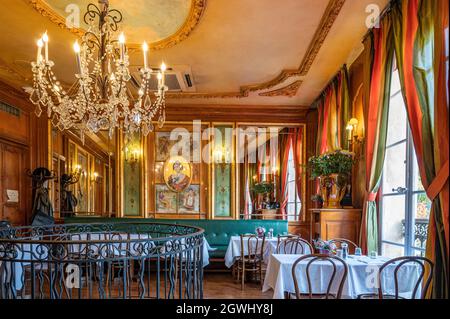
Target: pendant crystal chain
(100, 99)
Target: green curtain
(420, 50)
(380, 47)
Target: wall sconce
(352, 132)
(221, 155)
(95, 178)
(132, 154)
(77, 171)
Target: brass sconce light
(352, 134)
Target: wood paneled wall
(24, 146)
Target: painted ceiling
(252, 52)
(146, 20)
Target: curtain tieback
(439, 181)
(371, 197)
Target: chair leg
(243, 276)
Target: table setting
(362, 277)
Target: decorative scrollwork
(45, 254)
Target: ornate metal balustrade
(102, 261)
(420, 232)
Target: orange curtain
(298, 159)
(285, 142)
(419, 31)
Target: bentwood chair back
(339, 241)
(338, 277)
(421, 262)
(293, 244)
(251, 259)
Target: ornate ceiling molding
(197, 9)
(289, 91)
(331, 13)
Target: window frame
(409, 219)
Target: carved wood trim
(331, 13)
(289, 91)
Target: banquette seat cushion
(217, 232)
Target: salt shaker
(270, 233)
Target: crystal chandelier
(99, 99)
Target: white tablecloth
(361, 278)
(234, 248)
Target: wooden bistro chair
(293, 244)
(335, 277)
(252, 261)
(351, 245)
(399, 262)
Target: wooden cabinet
(336, 223)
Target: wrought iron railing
(420, 231)
(102, 261)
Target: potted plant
(325, 247)
(333, 169)
(317, 200)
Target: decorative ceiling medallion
(289, 91)
(196, 11)
(331, 13)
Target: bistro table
(270, 247)
(234, 248)
(361, 279)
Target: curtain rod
(383, 13)
(344, 66)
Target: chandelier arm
(91, 42)
(92, 12)
(116, 18)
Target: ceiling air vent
(178, 79)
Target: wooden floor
(223, 286)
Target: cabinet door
(12, 173)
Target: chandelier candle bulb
(160, 77)
(122, 46)
(45, 40)
(145, 51)
(163, 75)
(40, 45)
(77, 49)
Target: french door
(404, 206)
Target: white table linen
(234, 248)
(361, 278)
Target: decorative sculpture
(42, 206)
(68, 200)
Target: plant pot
(324, 252)
(332, 192)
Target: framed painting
(177, 173)
(163, 146)
(189, 200)
(166, 200)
